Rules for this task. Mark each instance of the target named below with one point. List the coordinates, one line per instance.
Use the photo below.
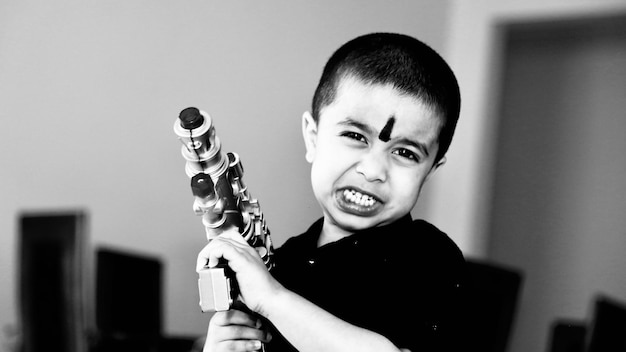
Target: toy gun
(223, 201)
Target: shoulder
(426, 238)
(301, 244)
(431, 252)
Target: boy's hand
(256, 284)
(235, 330)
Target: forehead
(375, 104)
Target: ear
(309, 133)
(436, 167)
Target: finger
(253, 345)
(237, 332)
(209, 256)
(224, 250)
(203, 258)
(231, 237)
(238, 345)
(235, 317)
(234, 235)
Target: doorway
(559, 192)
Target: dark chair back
(492, 299)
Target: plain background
(89, 91)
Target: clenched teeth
(359, 198)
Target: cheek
(408, 186)
(326, 170)
(330, 156)
(408, 192)
(319, 175)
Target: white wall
(560, 185)
(461, 192)
(569, 243)
(89, 91)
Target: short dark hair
(408, 64)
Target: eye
(407, 154)
(354, 135)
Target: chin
(353, 223)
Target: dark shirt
(401, 280)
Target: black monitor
(52, 247)
(128, 298)
(608, 327)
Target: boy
(365, 277)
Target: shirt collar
(313, 233)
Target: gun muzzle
(201, 147)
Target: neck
(331, 233)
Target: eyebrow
(358, 124)
(369, 130)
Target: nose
(373, 166)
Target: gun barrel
(223, 201)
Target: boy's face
(371, 151)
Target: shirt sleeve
(432, 313)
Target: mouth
(358, 198)
(358, 202)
